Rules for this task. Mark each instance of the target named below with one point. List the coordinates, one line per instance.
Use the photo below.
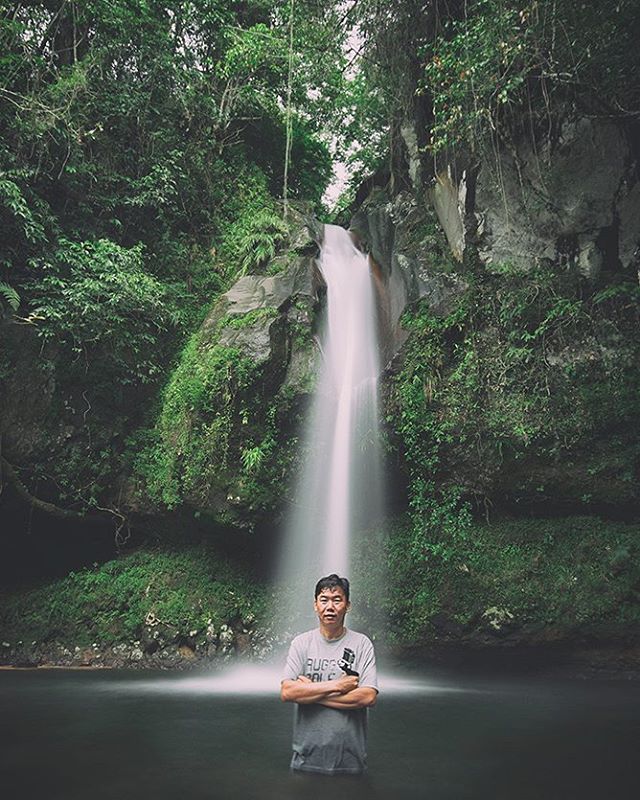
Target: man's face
(331, 605)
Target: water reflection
(115, 735)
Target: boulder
(239, 388)
(254, 292)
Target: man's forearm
(362, 697)
(307, 692)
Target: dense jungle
(165, 170)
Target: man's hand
(346, 683)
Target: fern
(10, 296)
(260, 240)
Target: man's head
(330, 582)
(332, 602)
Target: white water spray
(339, 489)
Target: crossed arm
(341, 693)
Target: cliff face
(508, 303)
(530, 367)
(227, 440)
(226, 430)
(509, 309)
(571, 201)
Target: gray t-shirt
(329, 740)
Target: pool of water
(119, 734)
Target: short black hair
(332, 581)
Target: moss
(189, 449)
(183, 591)
(525, 396)
(282, 263)
(528, 391)
(221, 442)
(239, 321)
(301, 317)
(571, 572)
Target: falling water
(339, 488)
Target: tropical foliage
(141, 164)
(143, 153)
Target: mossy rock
(222, 442)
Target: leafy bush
(259, 240)
(15, 206)
(567, 572)
(526, 393)
(189, 448)
(500, 62)
(97, 299)
(184, 590)
(9, 296)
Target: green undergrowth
(220, 441)
(184, 591)
(500, 63)
(248, 319)
(560, 575)
(527, 392)
(564, 573)
(206, 391)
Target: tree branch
(42, 505)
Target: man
(331, 675)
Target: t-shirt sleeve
(368, 673)
(294, 665)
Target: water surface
(118, 734)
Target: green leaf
(11, 297)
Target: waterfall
(338, 491)
(338, 494)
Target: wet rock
(255, 292)
(393, 232)
(226, 640)
(210, 633)
(628, 213)
(497, 620)
(448, 200)
(84, 657)
(150, 645)
(572, 200)
(211, 650)
(409, 133)
(447, 626)
(243, 643)
(306, 232)
(186, 651)
(266, 322)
